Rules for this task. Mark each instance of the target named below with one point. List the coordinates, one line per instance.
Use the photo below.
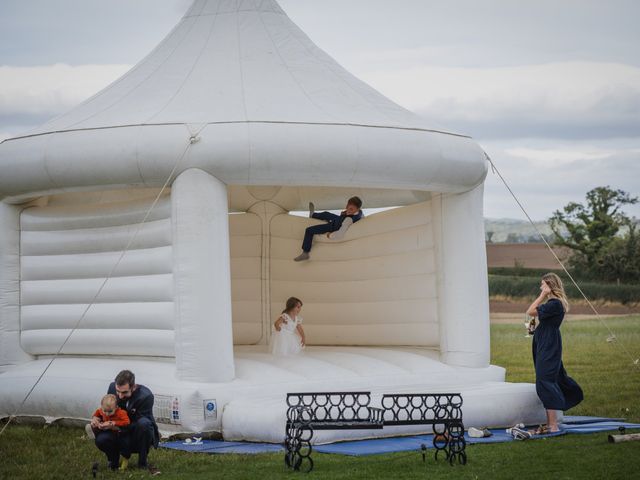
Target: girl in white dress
(288, 338)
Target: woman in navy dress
(556, 390)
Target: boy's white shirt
(339, 234)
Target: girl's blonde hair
(557, 289)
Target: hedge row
(524, 272)
(518, 286)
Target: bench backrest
(421, 408)
(328, 406)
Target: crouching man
(140, 434)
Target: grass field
(610, 381)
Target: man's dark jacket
(138, 405)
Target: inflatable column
(463, 291)
(11, 352)
(202, 279)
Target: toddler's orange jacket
(119, 417)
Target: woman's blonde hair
(557, 289)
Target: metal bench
(443, 411)
(312, 411)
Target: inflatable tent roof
(266, 106)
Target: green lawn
(604, 370)
(610, 381)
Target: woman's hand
(545, 291)
(544, 288)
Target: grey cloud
(19, 122)
(467, 32)
(616, 114)
(474, 33)
(544, 187)
(42, 32)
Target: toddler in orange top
(110, 417)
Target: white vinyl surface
(253, 406)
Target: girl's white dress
(287, 340)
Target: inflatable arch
(175, 183)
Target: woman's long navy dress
(555, 388)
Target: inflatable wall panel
(67, 251)
(245, 239)
(11, 353)
(376, 286)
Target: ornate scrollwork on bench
(441, 410)
(324, 411)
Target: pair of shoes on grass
(479, 432)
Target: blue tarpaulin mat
(598, 427)
(404, 444)
(573, 419)
(219, 446)
(572, 424)
(401, 444)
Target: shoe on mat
(312, 209)
(520, 434)
(517, 425)
(479, 432)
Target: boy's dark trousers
(335, 222)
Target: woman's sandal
(541, 430)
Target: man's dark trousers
(138, 439)
(142, 431)
(335, 222)
(107, 441)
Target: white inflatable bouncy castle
(174, 184)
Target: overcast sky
(550, 89)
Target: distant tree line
(513, 237)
